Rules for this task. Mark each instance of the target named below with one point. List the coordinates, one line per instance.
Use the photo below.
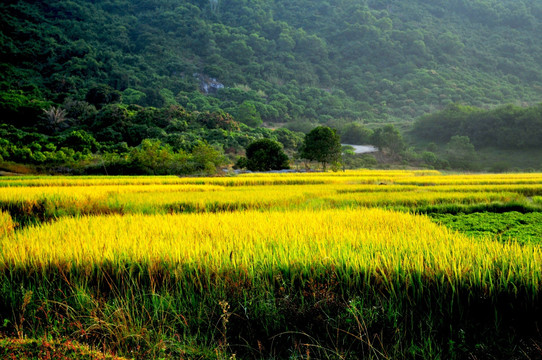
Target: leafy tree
(248, 115)
(388, 138)
(152, 157)
(206, 158)
(265, 155)
(356, 134)
(289, 139)
(241, 163)
(79, 112)
(322, 144)
(80, 140)
(239, 52)
(20, 109)
(217, 120)
(133, 96)
(101, 95)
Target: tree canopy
(388, 138)
(293, 60)
(509, 126)
(322, 144)
(265, 155)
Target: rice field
(349, 265)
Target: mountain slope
(293, 60)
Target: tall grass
(366, 176)
(369, 241)
(7, 225)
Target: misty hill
(278, 60)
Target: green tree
(288, 139)
(322, 144)
(80, 140)
(206, 158)
(101, 95)
(460, 153)
(388, 138)
(265, 155)
(20, 109)
(217, 120)
(248, 115)
(356, 134)
(151, 157)
(239, 52)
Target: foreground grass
(31, 349)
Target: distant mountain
(275, 60)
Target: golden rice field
(341, 265)
(368, 241)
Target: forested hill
(278, 60)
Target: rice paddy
(360, 264)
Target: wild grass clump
(7, 225)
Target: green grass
(287, 315)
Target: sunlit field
(347, 265)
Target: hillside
(296, 61)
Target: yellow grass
(37, 192)
(480, 179)
(6, 224)
(164, 198)
(368, 241)
(357, 176)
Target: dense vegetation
(130, 139)
(515, 226)
(83, 84)
(499, 140)
(272, 266)
(264, 155)
(509, 127)
(273, 60)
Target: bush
(265, 155)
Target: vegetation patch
(507, 226)
(41, 349)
